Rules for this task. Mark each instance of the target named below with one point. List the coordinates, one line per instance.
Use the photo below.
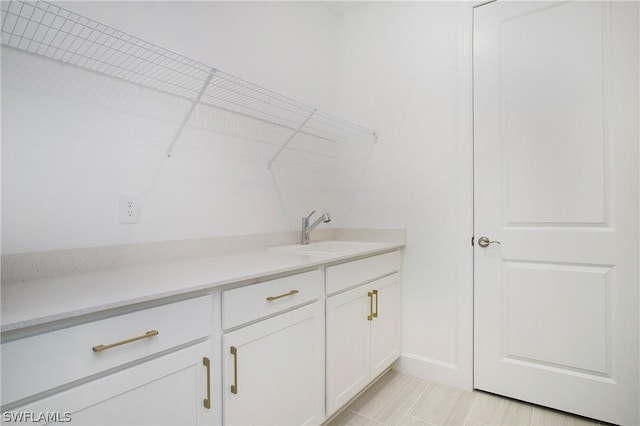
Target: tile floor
(399, 399)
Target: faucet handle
(310, 214)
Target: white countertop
(35, 302)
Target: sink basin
(324, 248)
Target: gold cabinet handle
(291, 293)
(207, 401)
(234, 386)
(146, 335)
(370, 316)
(375, 314)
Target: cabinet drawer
(38, 363)
(345, 275)
(249, 303)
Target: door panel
(556, 183)
(385, 339)
(348, 345)
(276, 372)
(574, 317)
(554, 169)
(168, 390)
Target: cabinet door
(169, 390)
(276, 369)
(386, 326)
(348, 341)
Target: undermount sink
(326, 247)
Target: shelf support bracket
(290, 138)
(195, 102)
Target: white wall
(73, 141)
(405, 70)
(287, 47)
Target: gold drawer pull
(207, 401)
(234, 386)
(375, 314)
(291, 293)
(146, 335)
(370, 296)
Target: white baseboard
(430, 369)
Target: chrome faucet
(306, 228)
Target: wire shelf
(44, 29)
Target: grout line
(475, 401)
(366, 417)
(429, 383)
(533, 414)
(420, 419)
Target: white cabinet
(274, 368)
(152, 366)
(261, 360)
(363, 333)
(169, 390)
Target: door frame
(464, 195)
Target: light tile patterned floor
(399, 399)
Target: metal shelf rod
(195, 103)
(290, 139)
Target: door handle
(234, 386)
(375, 314)
(207, 401)
(146, 335)
(291, 293)
(484, 242)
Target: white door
(274, 375)
(556, 183)
(385, 338)
(349, 316)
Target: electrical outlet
(129, 209)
